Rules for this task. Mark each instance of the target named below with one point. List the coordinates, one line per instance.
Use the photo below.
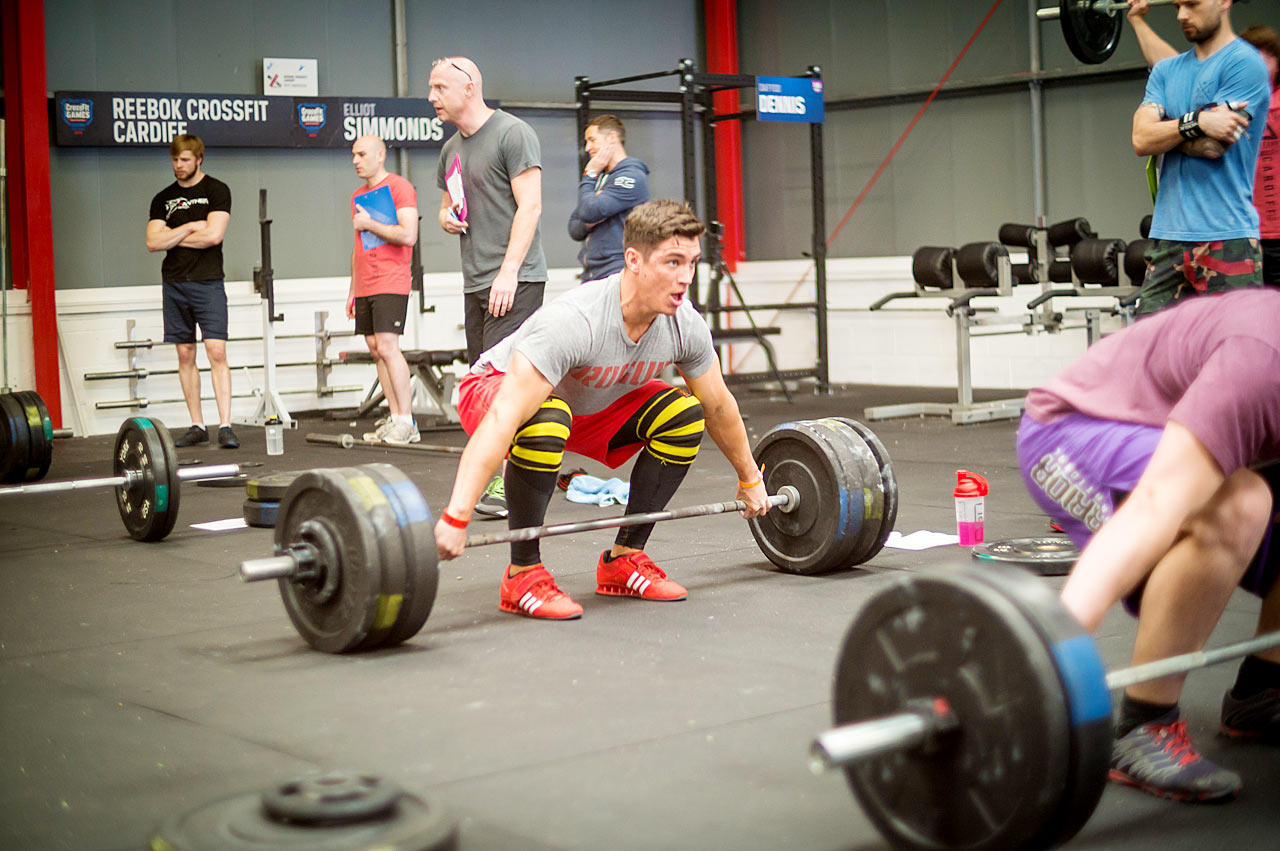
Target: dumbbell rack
(960, 308)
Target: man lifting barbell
(581, 375)
(1177, 411)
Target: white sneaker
(401, 433)
(379, 430)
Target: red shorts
(588, 436)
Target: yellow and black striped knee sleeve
(672, 425)
(539, 443)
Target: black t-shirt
(176, 205)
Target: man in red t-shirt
(1266, 183)
(384, 216)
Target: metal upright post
(270, 405)
(819, 247)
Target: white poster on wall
(289, 77)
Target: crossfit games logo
(77, 113)
(311, 117)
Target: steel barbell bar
(849, 743)
(1052, 13)
(128, 479)
(288, 565)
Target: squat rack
(695, 99)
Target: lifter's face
(666, 273)
(1199, 19)
(185, 165)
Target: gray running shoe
(1160, 759)
(493, 503)
(401, 434)
(1255, 718)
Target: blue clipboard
(381, 208)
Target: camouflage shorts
(1176, 270)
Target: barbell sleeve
(1052, 13)
(273, 567)
(786, 498)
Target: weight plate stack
(148, 506)
(269, 487)
(40, 430)
(809, 539)
(889, 515)
(261, 514)
(15, 442)
(336, 602)
(418, 537)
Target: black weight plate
(334, 609)
(1047, 555)
(995, 782)
(868, 478)
(1091, 34)
(241, 823)
(261, 515)
(149, 506)
(40, 427)
(418, 534)
(331, 798)
(818, 534)
(15, 441)
(269, 487)
(1084, 682)
(887, 479)
(390, 552)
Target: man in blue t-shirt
(1196, 113)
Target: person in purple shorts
(1156, 451)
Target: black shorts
(381, 314)
(1270, 261)
(187, 304)
(484, 330)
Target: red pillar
(30, 209)
(722, 58)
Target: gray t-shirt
(501, 149)
(579, 343)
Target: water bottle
(275, 436)
(971, 489)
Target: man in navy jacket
(611, 185)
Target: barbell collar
(787, 499)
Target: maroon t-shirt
(1212, 364)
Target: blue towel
(592, 491)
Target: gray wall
(966, 167)
(529, 52)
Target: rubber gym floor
(142, 680)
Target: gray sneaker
(401, 434)
(493, 503)
(379, 429)
(1159, 758)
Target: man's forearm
(523, 227)
(205, 237)
(724, 424)
(396, 234)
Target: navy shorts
(381, 314)
(191, 303)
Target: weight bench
(427, 366)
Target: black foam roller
(1024, 273)
(1060, 272)
(1135, 260)
(1070, 232)
(978, 262)
(1020, 236)
(931, 267)
(1144, 227)
(1097, 261)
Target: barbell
(26, 437)
(355, 549)
(974, 712)
(147, 479)
(1091, 28)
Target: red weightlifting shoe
(635, 575)
(533, 593)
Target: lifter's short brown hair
(610, 123)
(654, 222)
(186, 142)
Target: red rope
(883, 165)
